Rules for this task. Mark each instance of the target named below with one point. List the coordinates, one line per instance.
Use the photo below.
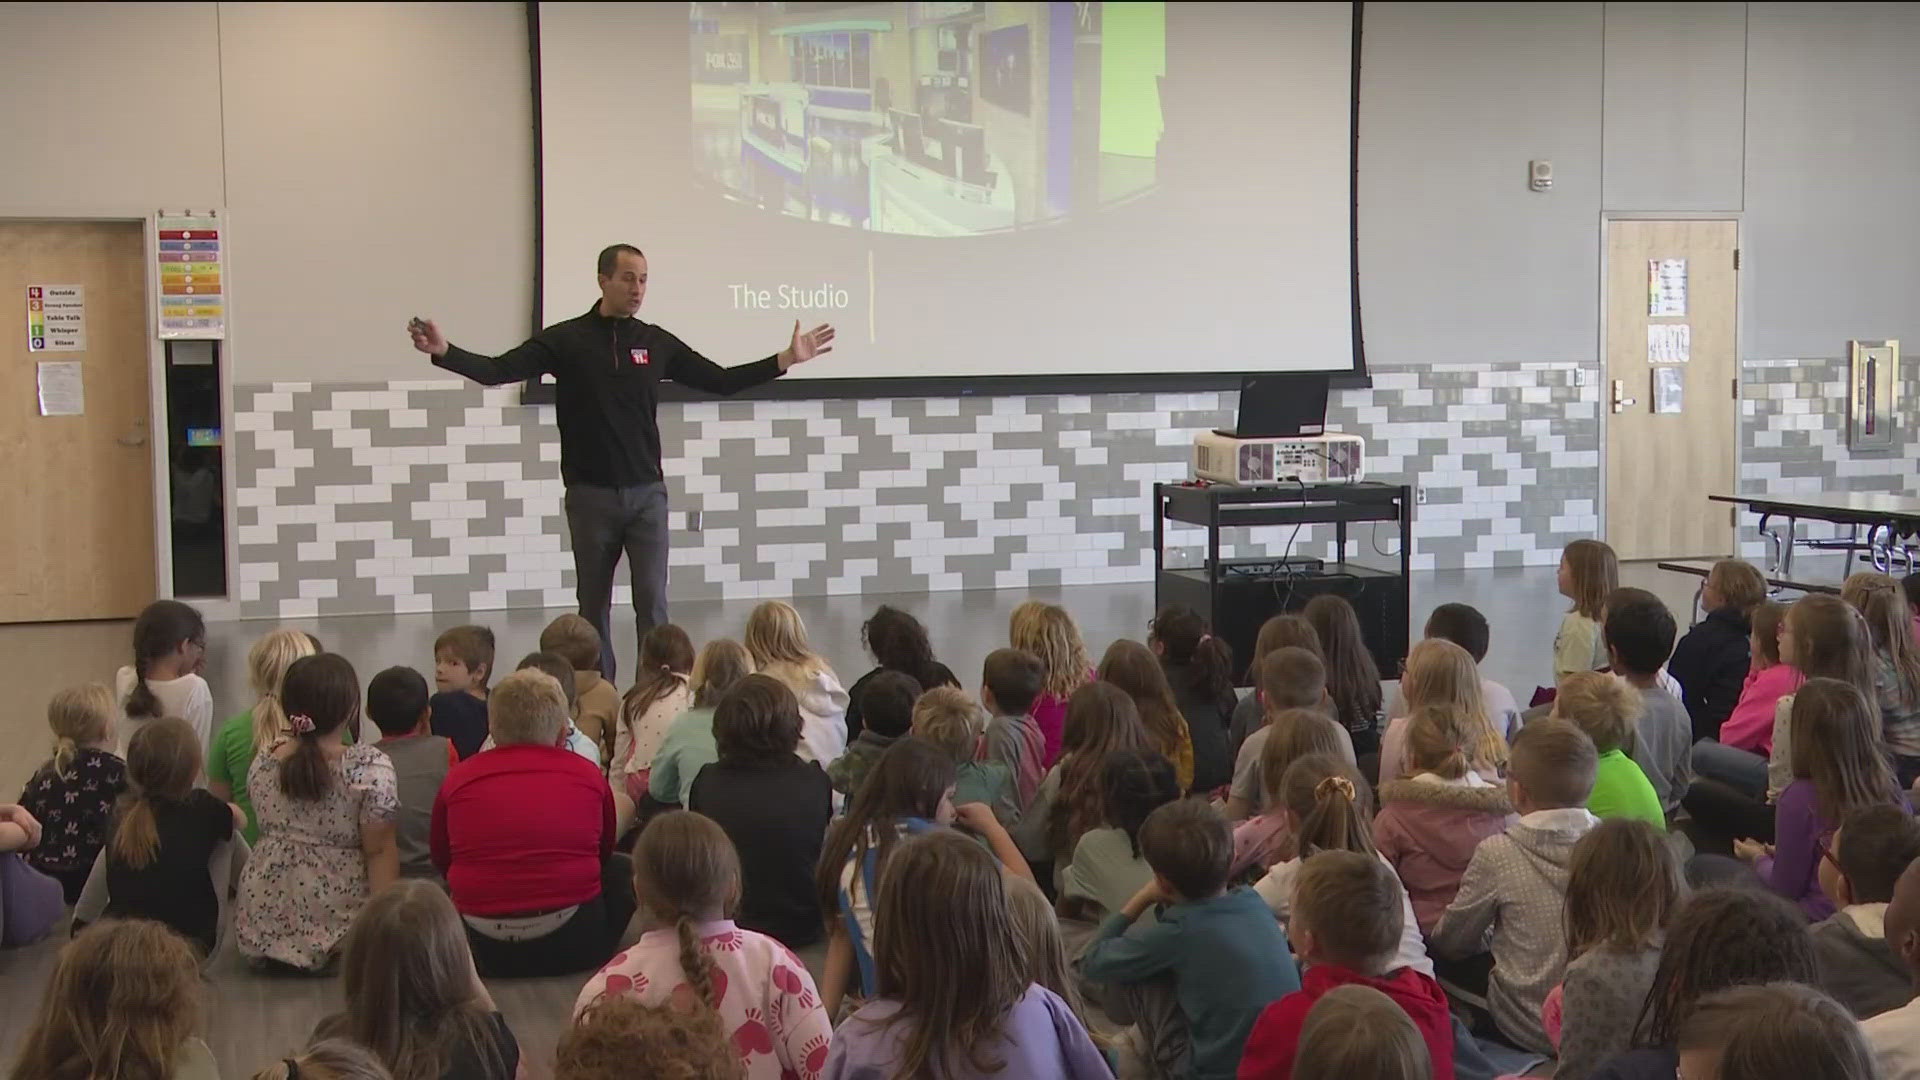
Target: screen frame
(541, 392)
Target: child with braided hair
(687, 875)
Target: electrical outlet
(693, 521)
(1420, 495)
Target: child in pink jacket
(1749, 726)
(1430, 823)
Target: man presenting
(607, 367)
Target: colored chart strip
(190, 256)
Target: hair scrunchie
(301, 723)
(1336, 783)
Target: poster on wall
(1666, 288)
(62, 391)
(191, 250)
(56, 318)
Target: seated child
(1441, 677)
(1639, 638)
(772, 805)
(660, 691)
(1225, 955)
(1749, 726)
(574, 640)
(1010, 683)
(169, 650)
(1515, 886)
(689, 745)
(1606, 709)
(1589, 572)
(126, 991)
(1100, 720)
(397, 705)
(898, 643)
(556, 666)
(1264, 839)
(1430, 823)
(777, 638)
(161, 851)
(462, 666)
(1290, 678)
(1107, 868)
(1278, 632)
(1346, 927)
(954, 993)
(613, 1033)
(1463, 625)
(1775, 1030)
(328, 1059)
(948, 718)
(688, 878)
(1711, 661)
(72, 795)
(1623, 887)
(1358, 1031)
(30, 901)
(1858, 965)
(886, 707)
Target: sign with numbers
(56, 318)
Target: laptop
(1281, 405)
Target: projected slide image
(930, 118)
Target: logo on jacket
(639, 356)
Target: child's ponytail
(321, 695)
(1332, 803)
(1209, 660)
(163, 626)
(267, 664)
(695, 963)
(163, 760)
(78, 715)
(685, 870)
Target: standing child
(948, 718)
(1720, 939)
(1606, 709)
(413, 996)
(1107, 867)
(771, 804)
(898, 642)
(72, 795)
(1290, 678)
(1443, 679)
(1430, 823)
(1100, 720)
(327, 814)
(124, 1001)
(1622, 890)
(1048, 632)
(1712, 660)
(1515, 887)
(688, 877)
(1279, 632)
(1858, 965)
(953, 998)
(397, 705)
(689, 745)
(660, 692)
(1220, 948)
(575, 640)
(1589, 573)
(1328, 809)
(886, 700)
(1133, 668)
(241, 737)
(1359, 1031)
(1199, 668)
(1353, 680)
(1639, 638)
(159, 859)
(1267, 837)
(462, 667)
(1010, 684)
(1896, 673)
(777, 639)
(169, 649)
(1347, 925)
(1839, 766)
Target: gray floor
(253, 1020)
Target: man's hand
(427, 337)
(801, 349)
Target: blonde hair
(776, 638)
(686, 871)
(124, 996)
(328, 1059)
(1603, 706)
(1037, 929)
(79, 715)
(1355, 1030)
(267, 664)
(163, 760)
(720, 664)
(1863, 584)
(1889, 620)
(1595, 571)
(1049, 633)
(1739, 585)
(949, 719)
(1623, 887)
(527, 706)
(1442, 678)
(412, 997)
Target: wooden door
(1662, 465)
(76, 516)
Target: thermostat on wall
(1540, 175)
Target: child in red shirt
(1346, 926)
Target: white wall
(375, 160)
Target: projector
(1334, 458)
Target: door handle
(135, 437)
(1621, 402)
